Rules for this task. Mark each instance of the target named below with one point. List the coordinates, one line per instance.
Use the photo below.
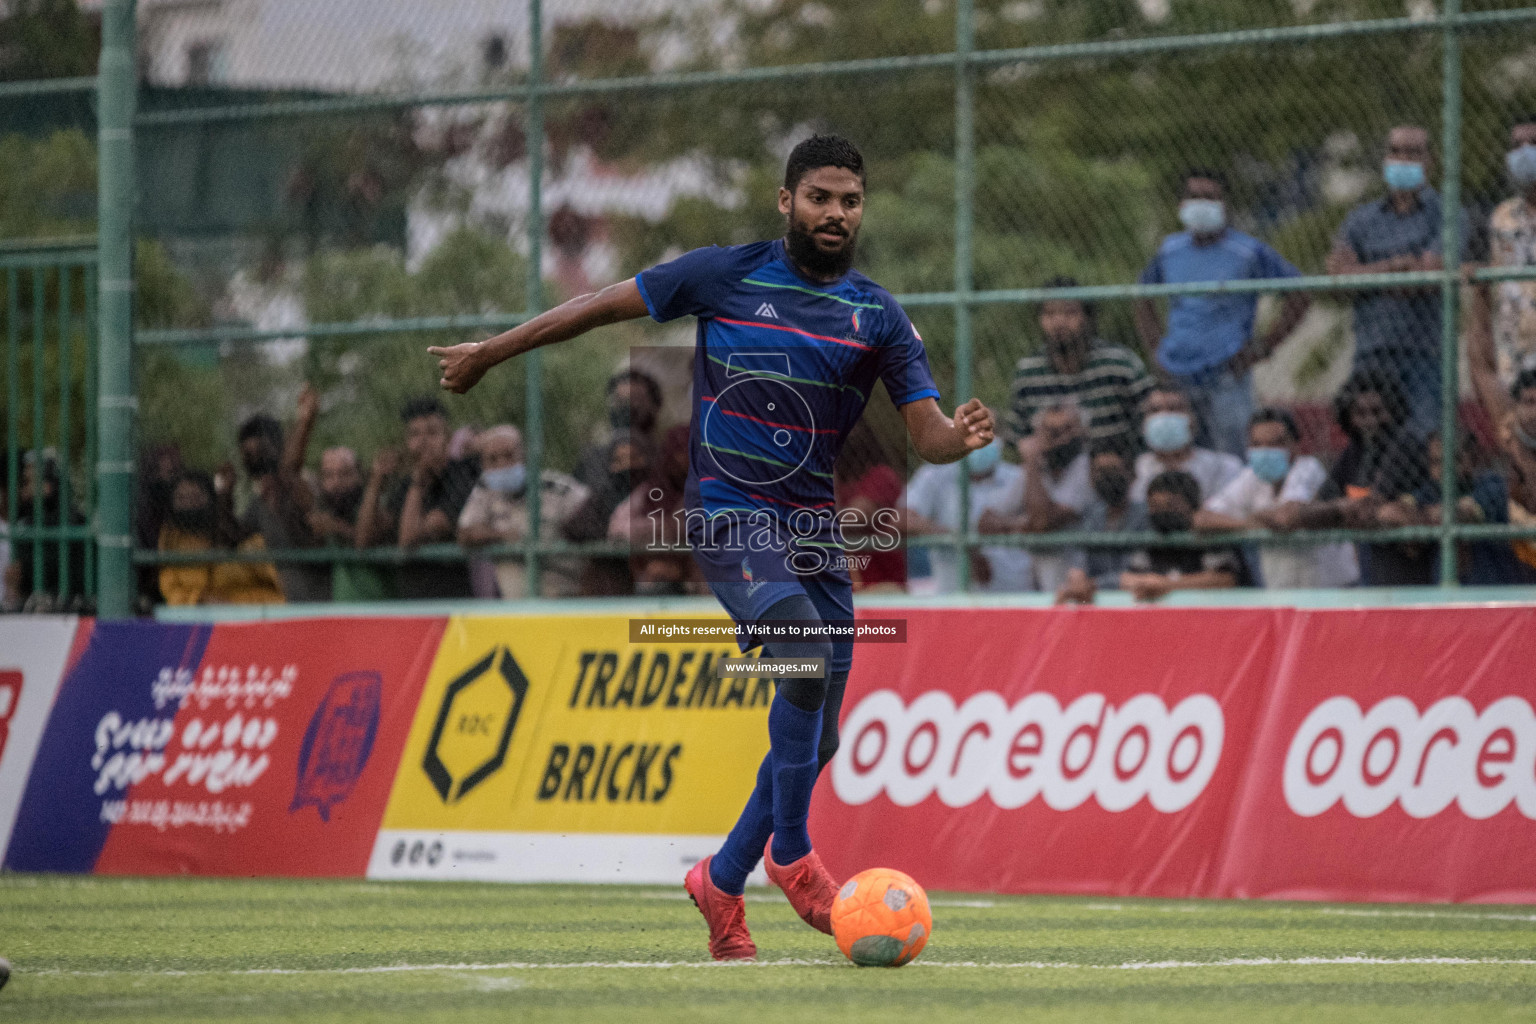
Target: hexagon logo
(474, 725)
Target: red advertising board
(1397, 761)
(1080, 751)
(273, 752)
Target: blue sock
(793, 734)
(743, 848)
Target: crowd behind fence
(1231, 277)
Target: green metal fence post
(533, 436)
(117, 98)
(39, 414)
(965, 192)
(66, 341)
(1450, 286)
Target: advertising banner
(251, 749)
(553, 749)
(33, 653)
(1397, 761)
(1089, 751)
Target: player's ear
(786, 197)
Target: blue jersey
(782, 372)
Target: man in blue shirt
(1209, 345)
(1397, 331)
(791, 341)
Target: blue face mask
(1166, 431)
(1403, 175)
(1203, 216)
(984, 460)
(506, 480)
(1522, 165)
(1269, 464)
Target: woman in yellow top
(196, 523)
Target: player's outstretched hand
(461, 365)
(974, 421)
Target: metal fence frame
(116, 91)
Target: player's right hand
(461, 365)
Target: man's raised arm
(464, 365)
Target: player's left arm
(939, 438)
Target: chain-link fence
(1192, 254)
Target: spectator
(634, 401)
(1167, 427)
(424, 507)
(1380, 464)
(650, 520)
(1502, 342)
(1208, 345)
(159, 468)
(1397, 331)
(1268, 495)
(497, 513)
(197, 520)
(873, 491)
(629, 461)
(1151, 573)
(1518, 437)
(281, 500)
(334, 522)
(931, 504)
(50, 592)
(1057, 488)
(1483, 497)
(1112, 511)
(1108, 381)
(5, 549)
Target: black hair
(821, 151)
(262, 426)
(640, 377)
(1064, 281)
(1373, 382)
(1528, 118)
(1177, 483)
(1203, 172)
(1119, 446)
(422, 405)
(1270, 414)
(1523, 382)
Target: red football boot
(808, 885)
(725, 914)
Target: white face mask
(1203, 216)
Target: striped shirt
(1109, 388)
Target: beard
(803, 250)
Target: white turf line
(1132, 965)
(1189, 908)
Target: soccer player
(791, 341)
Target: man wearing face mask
(1208, 346)
(197, 520)
(1108, 381)
(1268, 495)
(281, 500)
(634, 401)
(1113, 511)
(497, 513)
(1151, 573)
(1167, 427)
(1502, 342)
(1055, 488)
(931, 504)
(1397, 331)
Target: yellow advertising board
(559, 726)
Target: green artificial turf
(105, 949)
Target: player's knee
(805, 694)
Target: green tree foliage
(46, 39)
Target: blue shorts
(748, 582)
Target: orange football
(881, 918)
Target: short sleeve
(903, 361)
(1347, 237)
(1234, 500)
(477, 510)
(1271, 264)
(1304, 481)
(679, 287)
(921, 493)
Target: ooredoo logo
(1036, 747)
(1423, 762)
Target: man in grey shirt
(1397, 331)
(279, 507)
